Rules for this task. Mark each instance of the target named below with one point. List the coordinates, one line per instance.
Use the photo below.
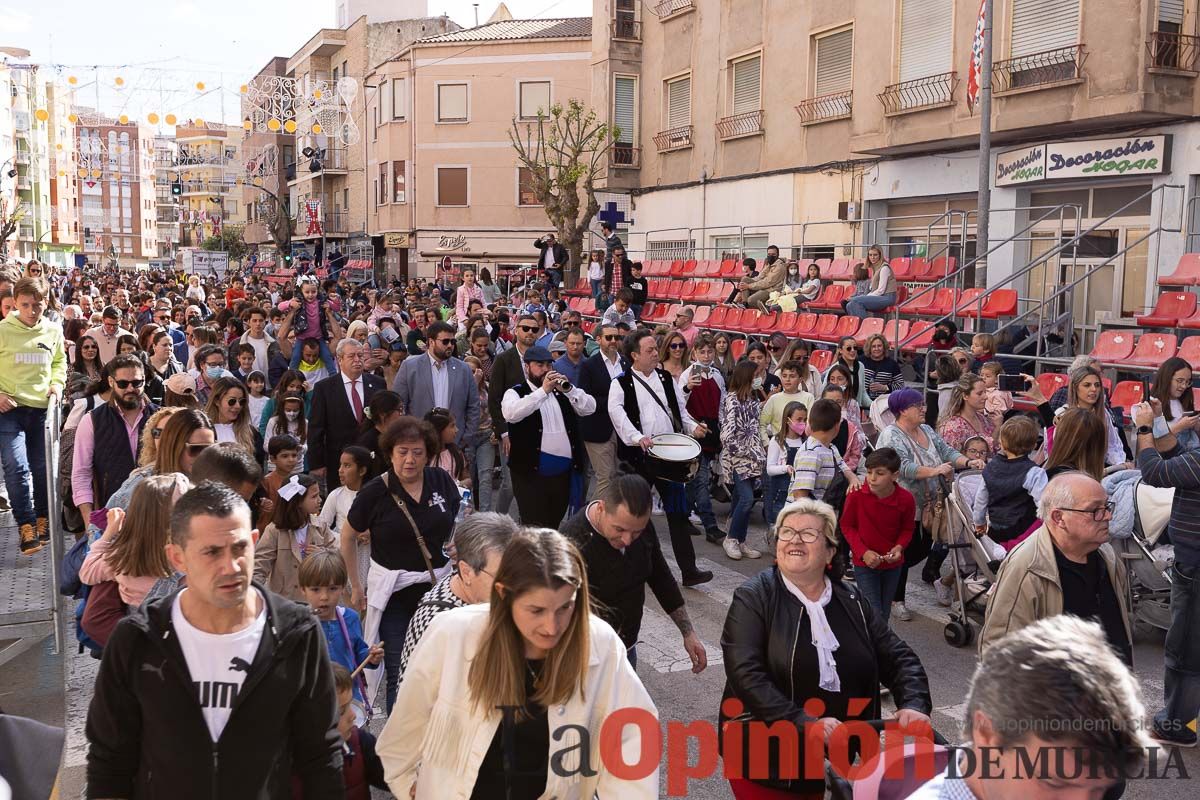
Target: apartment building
(828, 126)
(168, 213)
(30, 187)
(63, 239)
(116, 173)
(444, 177)
(206, 159)
(265, 156)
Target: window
(746, 95)
(679, 102)
(399, 98)
(835, 56)
(1041, 25)
(1165, 42)
(452, 102)
(335, 76)
(624, 114)
(452, 186)
(346, 199)
(532, 97)
(375, 194)
(926, 38)
(383, 183)
(526, 196)
(385, 103)
(398, 178)
(374, 121)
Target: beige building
(116, 171)
(827, 126)
(205, 165)
(444, 177)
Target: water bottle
(464, 507)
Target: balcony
(24, 183)
(333, 163)
(933, 91)
(1173, 52)
(674, 139)
(626, 29)
(826, 108)
(21, 157)
(669, 8)
(24, 231)
(206, 187)
(1039, 70)
(333, 223)
(625, 156)
(739, 125)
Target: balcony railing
(626, 29)
(668, 8)
(332, 223)
(1174, 51)
(24, 231)
(928, 92)
(674, 139)
(747, 124)
(825, 108)
(334, 160)
(1039, 69)
(24, 183)
(625, 156)
(21, 157)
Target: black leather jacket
(759, 642)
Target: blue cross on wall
(612, 215)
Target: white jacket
(434, 731)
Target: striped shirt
(1183, 473)
(815, 466)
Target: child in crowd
(256, 383)
(998, 403)
(620, 310)
(322, 579)
(781, 454)
(639, 289)
(877, 521)
(977, 448)
(770, 421)
(811, 287)
(295, 533)
(1006, 505)
(983, 348)
(362, 769)
(862, 283)
(851, 440)
(353, 467)
(533, 302)
(451, 457)
(284, 451)
(817, 462)
(289, 419)
(311, 319)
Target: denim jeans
(597, 288)
(483, 460)
(743, 502)
(698, 496)
(637, 311)
(631, 654)
(504, 495)
(393, 626)
(776, 496)
(553, 277)
(326, 356)
(863, 304)
(1181, 655)
(879, 587)
(23, 443)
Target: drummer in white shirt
(643, 403)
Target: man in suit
(337, 410)
(439, 380)
(596, 375)
(507, 372)
(552, 258)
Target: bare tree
(563, 151)
(9, 222)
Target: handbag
(433, 578)
(104, 609)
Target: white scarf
(823, 637)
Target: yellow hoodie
(31, 360)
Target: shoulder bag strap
(416, 531)
(676, 423)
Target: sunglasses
(850, 348)
(527, 329)
(443, 341)
(125, 384)
(677, 346)
(571, 322)
(156, 433)
(611, 337)
(235, 401)
(774, 348)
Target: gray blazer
(414, 384)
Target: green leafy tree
(563, 151)
(230, 241)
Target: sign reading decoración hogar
(1093, 158)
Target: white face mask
(292, 416)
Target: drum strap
(676, 422)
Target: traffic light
(287, 259)
(176, 189)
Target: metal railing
(747, 124)
(1039, 69)
(826, 107)
(667, 8)
(673, 139)
(625, 156)
(1173, 51)
(332, 222)
(626, 29)
(928, 92)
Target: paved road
(679, 694)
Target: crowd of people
(292, 493)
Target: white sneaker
(749, 552)
(657, 510)
(900, 611)
(694, 518)
(733, 549)
(944, 593)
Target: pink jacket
(96, 570)
(463, 298)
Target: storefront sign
(396, 240)
(458, 242)
(1132, 155)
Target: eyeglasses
(155, 433)
(125, 384)
(570, 322)
(527, 328)
(806, 535)
(196, 449)
(849, 348)
(1097, 514)
(677, 346)
(235, 401)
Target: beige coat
(277, 557)
(770, 279)
(1028, 589)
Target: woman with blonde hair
(674, 354)
(228, 408)
(965, 417)
(536, 650)
(182, 435)
(1086, 391)
(154, 427)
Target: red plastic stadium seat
(1196, 398)
(766, 323)
(806, 323)
(831, 297)
(920, 269)
(869, 327)
(920, 336)
(702, 314)
(1170, 308)
(968, 303)
(737, 348)
(823, 264)
(896, 333)
(786, 323)
(1113, 346)
(675, 290)
(1153, 349)
(1000, 303)
(901, 296)
(716, 320)
(1126, 395)
(840, 269)
(820, 360)
(1051, 382)
(902, 268)
(730, 268)
(1189, 351)
(940, 267)
(846, 326)
(1187, 272)
(824, 327)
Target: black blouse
(522, 774)
(393, 545)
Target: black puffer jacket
(758, 643)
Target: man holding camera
(547, 456)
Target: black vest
(634, 455)
(1011, 509)
(111, 460)
(525, 436)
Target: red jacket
(878, 523)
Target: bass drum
(673, 457)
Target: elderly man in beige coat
(1065, 567)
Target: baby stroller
(1148, 557)
(969, 560)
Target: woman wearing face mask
(228, 409)
(781, 454)
(764, 383)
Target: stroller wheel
(959, 634)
